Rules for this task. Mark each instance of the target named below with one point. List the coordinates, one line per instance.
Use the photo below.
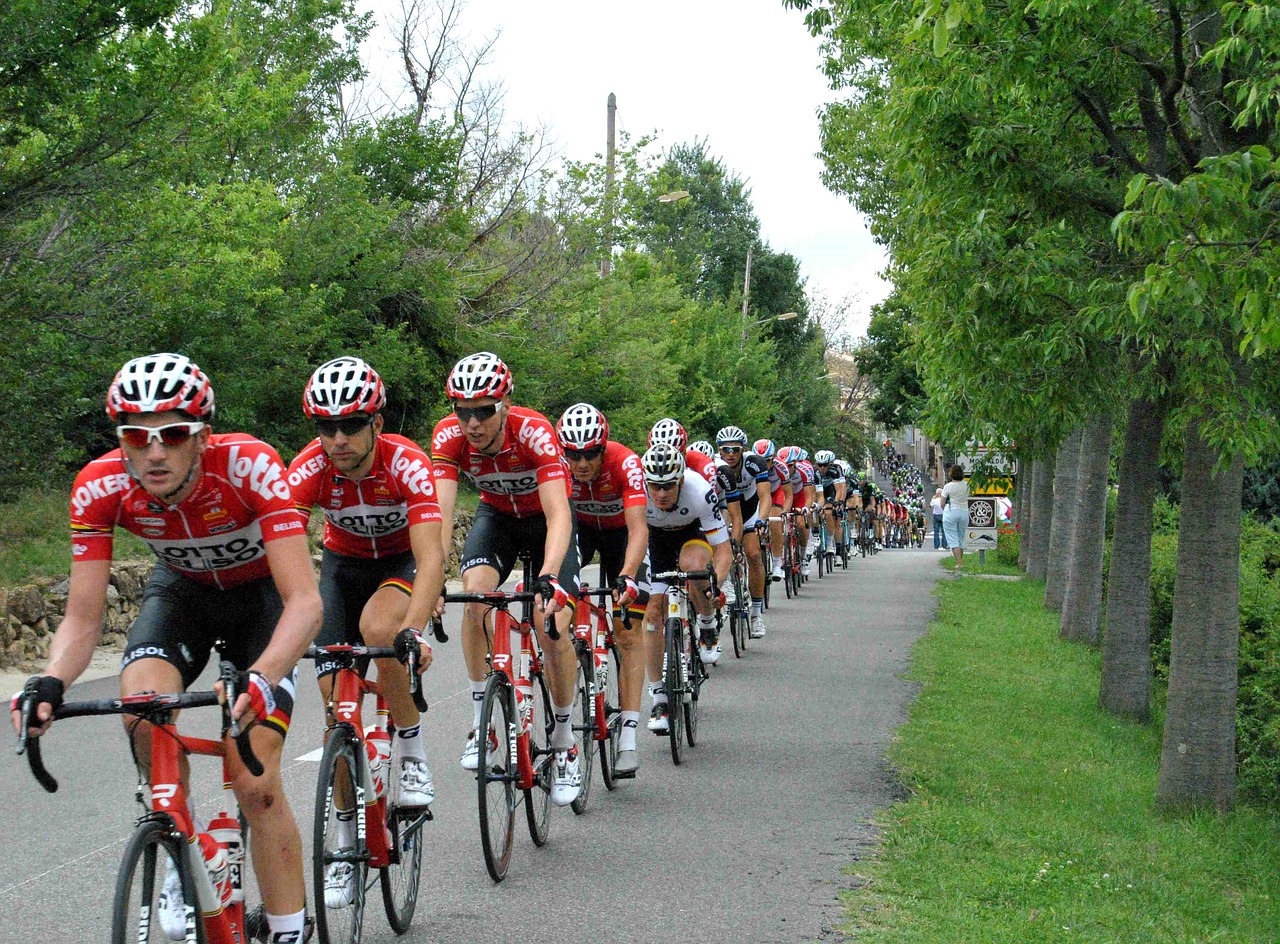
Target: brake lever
(238, 733)
(406, 646)
(437, 629)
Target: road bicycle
(739, 609)
(515, 755)
(355, 777)
(792, 554)
(683, 672)
(593, 629)
(166, 835)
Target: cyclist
(513, 456)
(781, 496)
(830, 477)
(686, 532)
(749, 472)
(802, 479)
(232, 564)
(383, 567)
(608, 502)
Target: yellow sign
(998, 487)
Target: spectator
(955, 513)
(939, 535)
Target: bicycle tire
(674, 685)
(496, 776)
(697, 674)
(149, 840)
(613, 718)
(342, 750)
(401, 880)
(537, 800)
(585, 728)
(788, 579)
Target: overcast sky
(741, 74)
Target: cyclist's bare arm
(637, 540)
(290, 562)
(788, 498)
(428, 582)
(735, 519)
(841, 493)
(447, 497)
(766, 500)
(555, 505)
(80, 629)
(722, 560)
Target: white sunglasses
(172, 434)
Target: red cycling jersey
(703, 464)
(620, 485)
(216, 536)
(368, 517)
(508, 481)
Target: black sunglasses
(347, 425)
(466, 414)
(574, 455)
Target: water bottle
(225, 830)
(377, 746)
(215, 860)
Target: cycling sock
(346, 827)
(757, 606)
(562, 735)
(627, 735)
(658, 693)
(477, 700)
(411, 741)
(286, 929)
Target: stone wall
(32, 612)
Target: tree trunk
(1041, 518)
(1126, 644)
(1198, 756)
(1082, 600)
(1066, 475)
(1022, 509)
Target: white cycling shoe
(709, 655)
(568, 778)
(339, 885)
(757, 626)
(416, 786)
(776, 574)
(170, 906)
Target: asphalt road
(745, 842)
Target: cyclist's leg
(487, 557)
(380, 620)
(630, 642)
(664, 556)
(561, 658)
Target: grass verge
(35, 537)
(1031, 816)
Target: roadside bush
(1008, 542)
(1258, 708)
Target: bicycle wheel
(401, 878)
(673, 680)
(584, 727)
(697, 674)
(336, 844)
(133, 920)
(613, 717)
(496, 776)
(788, 581)
(736, 612)
(537, 801)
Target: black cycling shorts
(665, 545)
(346, 584)
(496, 540)
(612, 546)
(180, 621)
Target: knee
(378, 632)
(259, 797)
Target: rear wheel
(337, 846)
(584, 727)
(537, 801)
(146, 862)
(496, 776)
(672, 679)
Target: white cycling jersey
(695, 505)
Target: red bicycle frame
(593, 625)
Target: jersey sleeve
(633, 493)
(757, 468)
(414, 472)
(305, 477)
(447, 443)
(541, 445)
(709, 517)
(261, 480)
(727, 484)
(95, 503)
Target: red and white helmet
(789, 454)
(582, 427)
(343, 386)
(669, 431)
(479, 375)
(157, 383)
(764, 447)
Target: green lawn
(1031, 815)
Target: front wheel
(537, 800)
(401, 878)
(613, 717)
(339, 859)
(673, 680)
(584, 727)
(151, 853)
(496, 775)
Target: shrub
(1008, 542)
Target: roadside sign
(981, 535)
(980, 539)
(994, 487)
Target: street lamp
(673, 196)
(785, 316)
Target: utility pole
(606, 264)
(746, 285)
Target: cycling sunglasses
(664, 486)
(734, 450)
(172, 434)
(347, 425)
(466, 414)
(576, 455)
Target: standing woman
(939, 536)
(955, 513)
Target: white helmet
(583, 427)
(731, 434)
(663, 463)
(824, 457)
(479, 375)
(703, 447)
(157, 383)
(343, 386)
(669, 431)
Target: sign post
(982, 533)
